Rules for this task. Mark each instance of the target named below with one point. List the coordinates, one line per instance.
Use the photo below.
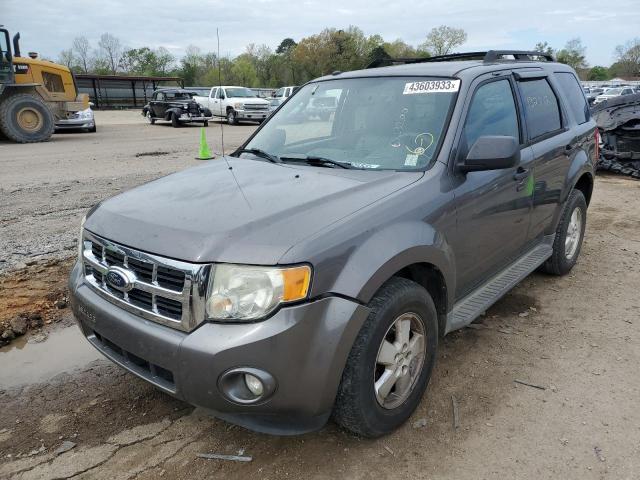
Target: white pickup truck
(232, 103)
(281, 95)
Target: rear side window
(492, 112)
(540, 107)
(570, 89)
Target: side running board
(473, 305)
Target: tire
(25, 118)
(566, 252)
(175, 123)
(232, 119)
(205, 123)
(149, 118)
(92, 129)
(358, 407)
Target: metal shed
(121, 91)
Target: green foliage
(543, 47)
(627, 59)
(598, 73)
(573, 54)
(443, 39)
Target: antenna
(219, 91)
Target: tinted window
(492, 112)
(540, 107)
(570, 88)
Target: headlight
(185, 106)
(243, 292)
(85, 114)
(238, 105)
(81, 237)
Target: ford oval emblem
(120, 279)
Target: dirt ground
(577, 338)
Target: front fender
(169, 111)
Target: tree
(244, 71)
(82, 50)
(598, 73)
(543, 47)
(628, 58)
(111, 51)
(573, 54)
(399, 49)
(67, 58)
(286, 46)
(443, 39)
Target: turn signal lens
(296, 283)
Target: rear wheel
(569, 236)
(25, 118)
(390, 363)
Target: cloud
(51, 27)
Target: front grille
(162, 290)
(256, 106)
(147, 370)
(193, 108)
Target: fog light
(254, 384)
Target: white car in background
(613, 93)
(233, 103)
(82, 120)
(281, 95)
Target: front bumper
(75, 123)
(187, 117)
(252, 114)
(304, 347)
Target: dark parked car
(177, 106)
(312, 272)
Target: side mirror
(492, 152)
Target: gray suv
(311, 273)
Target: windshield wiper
(260, 153)
(320, 161)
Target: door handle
(521, 174)
(570, 148)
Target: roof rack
(487, 57)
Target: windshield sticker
(431, 86)
(364, 165)
(411, 160)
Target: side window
(160, 96)
(279, 93)
(52, 82)
(541, 108)
(570, 89)
(492, 112)
(213, 93)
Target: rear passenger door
(552, 144)
(492, 206)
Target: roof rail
(487, 57)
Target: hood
(619, 110)
(248, 211)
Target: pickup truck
(281, 95)
(311, 273)
(233, 103)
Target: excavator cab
(6, 59)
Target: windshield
(178, 95)
(613, 91)
(372, 123)
(5, 66)
(240, 92)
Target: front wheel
(150, 118)
(569, 236)
(390, 363)
(175, 122)
(232, 119)
(205, 123)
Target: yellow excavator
(34, 93)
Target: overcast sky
(49, 27)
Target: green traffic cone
(204, 154)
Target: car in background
(177, 106)
(83, 120)
(593, 93)
(280, 96)
(613, 93)
(233, 103)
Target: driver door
(493, 207)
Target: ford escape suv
(310, 274)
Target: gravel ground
(576, 337)
(46, 188)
